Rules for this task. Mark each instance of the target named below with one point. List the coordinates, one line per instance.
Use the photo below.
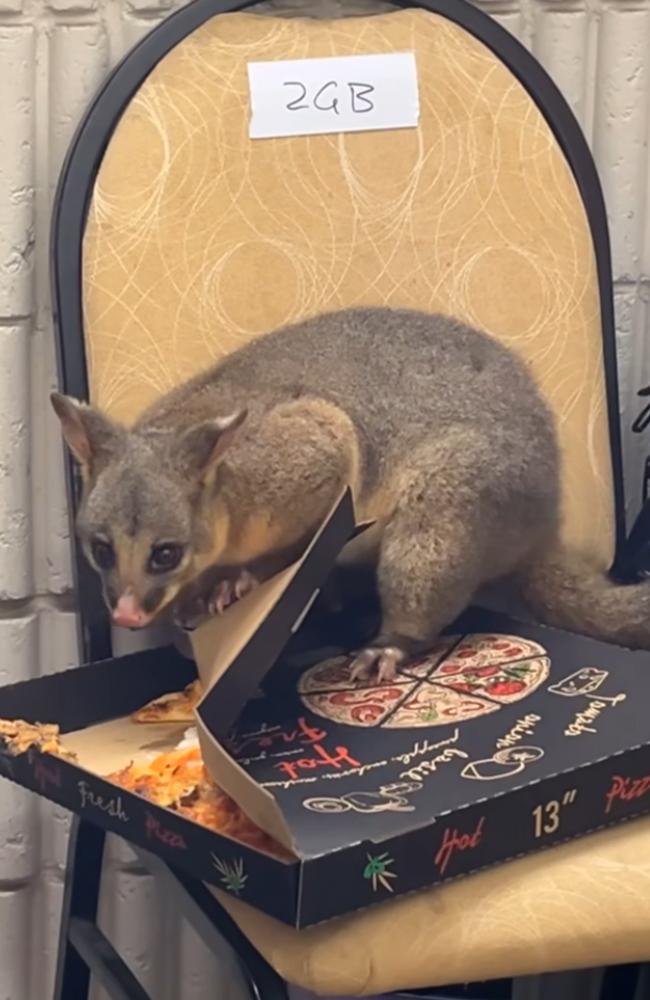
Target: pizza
(333, 675)
(178, 706)
(487, 650)
(328, 676)
(504, 683)
(179, 780)
(358, 706)
(17, 736)
(429, 705)
(423, 666)
(460, 678)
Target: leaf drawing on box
(232, 875)
(377, 871)
(502, 764)
(388, 798)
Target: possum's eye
(103, 553)
(164, 558)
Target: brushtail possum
(440, 430)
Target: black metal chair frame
(83, 948)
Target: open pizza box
(504, 739)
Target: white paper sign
(338, 94)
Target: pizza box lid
(235, 651)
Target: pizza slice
(177, 706)
(167, 780)
(430, 705)
(360, 707)
(425, 664)
(487, 650)
(178, 780)
(334, 675)
(330, 675)
(18, 736)
(505, 683)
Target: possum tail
(571, 593)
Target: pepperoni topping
(505, 688)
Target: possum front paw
(214, 600)
(226, 592)
(377, 662)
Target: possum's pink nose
(127, 613)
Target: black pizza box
(504, 739)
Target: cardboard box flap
(258, 804)
(236, 650)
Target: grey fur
(444, 435)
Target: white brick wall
(51, 59)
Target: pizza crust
(177, 706)
(18, 736)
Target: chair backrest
(177, 238)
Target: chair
(168, 217)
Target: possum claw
(220, 598)
(227, 592)
(245, 584)
(214, 601)
(378, 663)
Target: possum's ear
(88, 433)
(202, 446)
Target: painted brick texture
(52, 57)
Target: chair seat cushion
(582, 904)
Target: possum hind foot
(377, 662)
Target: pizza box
(505, 739)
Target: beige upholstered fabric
(199, 238)
(586, 903)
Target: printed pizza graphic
(462, 677)
(333, 675)
(503, 682)
(360, 706)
